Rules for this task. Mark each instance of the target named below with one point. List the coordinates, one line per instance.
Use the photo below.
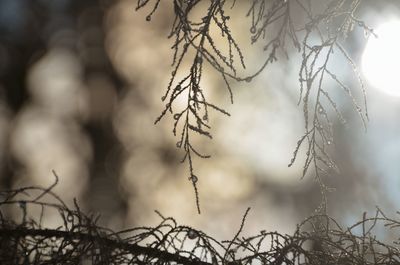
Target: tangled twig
(79, 240)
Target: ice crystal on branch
(282, 27)
(194, 42)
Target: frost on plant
(281, 26)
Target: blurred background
(80, 88)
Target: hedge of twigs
(79, 240)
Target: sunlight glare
(381, 58)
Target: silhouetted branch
(319, 239)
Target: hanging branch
(274, 23)
(195, 37)
(317, 40)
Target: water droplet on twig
(193, 178)
(192, 234)
(22, 204)
(70, 218)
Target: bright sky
(381, 58)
